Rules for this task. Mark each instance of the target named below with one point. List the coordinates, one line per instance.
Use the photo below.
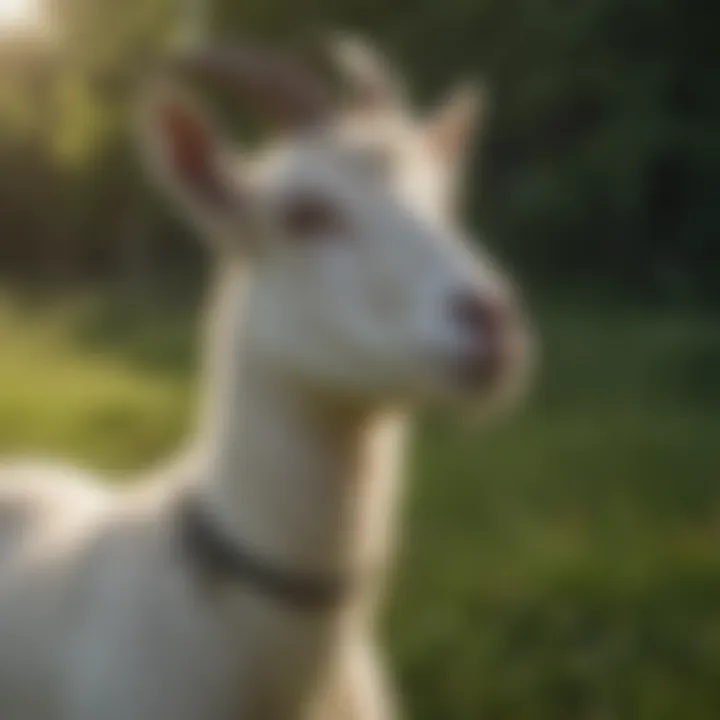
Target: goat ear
(373, 85)
(452, 127)
(184, 152)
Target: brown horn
(281, 86)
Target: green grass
(562, 565)
(105, 383)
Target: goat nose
(485, 322)
(478, 315)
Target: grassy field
(564, 565)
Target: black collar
(224, 561)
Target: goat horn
(281, 86)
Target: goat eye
(311, 217)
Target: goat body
(345, 295)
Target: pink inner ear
(192, 151)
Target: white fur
(317, 352)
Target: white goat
(242, 582)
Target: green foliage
(600, 166)
(561, 565)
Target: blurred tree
(601, 165)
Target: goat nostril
(477, 314)
(487, 348)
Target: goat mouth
(480, 371)
(486, 370)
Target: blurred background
(562, 565)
